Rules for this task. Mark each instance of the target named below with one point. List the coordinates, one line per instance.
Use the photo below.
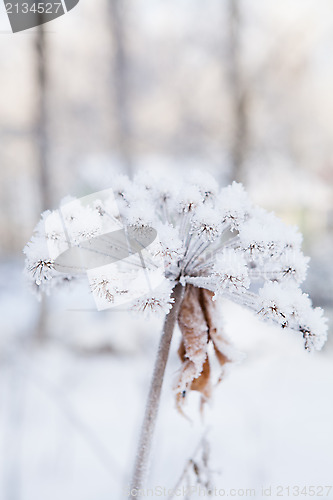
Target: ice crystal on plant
(215, 242)
(159, 301)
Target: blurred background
(242, 89)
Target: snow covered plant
(202, 243)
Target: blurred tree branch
(41, 118)
(239, 100)
(120, 83)
(42, 148)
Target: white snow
(69, 423)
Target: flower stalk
(154, 396)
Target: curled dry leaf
(198, 322)
(214, 331)
(193, 348)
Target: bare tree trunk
(120, 83)
(41, 138)
(41, 118)
(238, 93)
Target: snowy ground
(69, 421)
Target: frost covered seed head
(214, 242)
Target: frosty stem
(153, 401)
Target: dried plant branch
(193, 465)
(212, 242)
(145, 441)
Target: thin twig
(189, 464)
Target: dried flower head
(212, 241)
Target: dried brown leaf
(198, 322)
(214, 330)
(193, 348)
(194, 328)
(202, 383)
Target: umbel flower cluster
(212, 241)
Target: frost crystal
(205, 238)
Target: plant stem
(153, 401)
